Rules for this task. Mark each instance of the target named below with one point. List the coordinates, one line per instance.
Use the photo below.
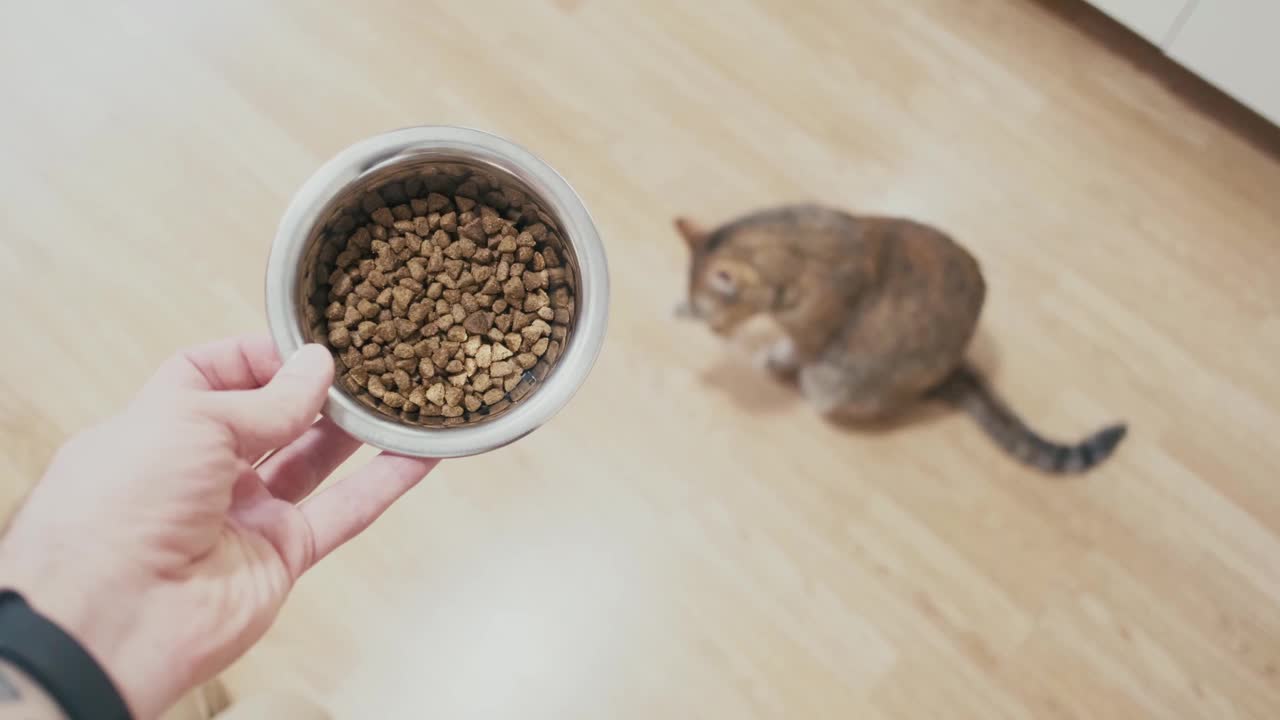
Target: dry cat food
(444, 298)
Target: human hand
(155, 540)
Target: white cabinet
(1233, 44)
(1152, 19)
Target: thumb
(280, 411)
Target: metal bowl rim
(467, 146)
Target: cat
(876, 313)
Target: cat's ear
(727, 277)
(694, 235)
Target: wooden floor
(686, 539)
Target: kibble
(444, 298)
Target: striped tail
(966, 390)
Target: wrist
(22, 697)
(94, 614)
(55, 661)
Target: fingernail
(310, 358)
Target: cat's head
(725, 287)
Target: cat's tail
(965, 389)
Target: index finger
(346, 509)
(245, 362)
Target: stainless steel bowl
(340, 183)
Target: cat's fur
(876, 313)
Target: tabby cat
(876, 314)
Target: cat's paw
(779, 360)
